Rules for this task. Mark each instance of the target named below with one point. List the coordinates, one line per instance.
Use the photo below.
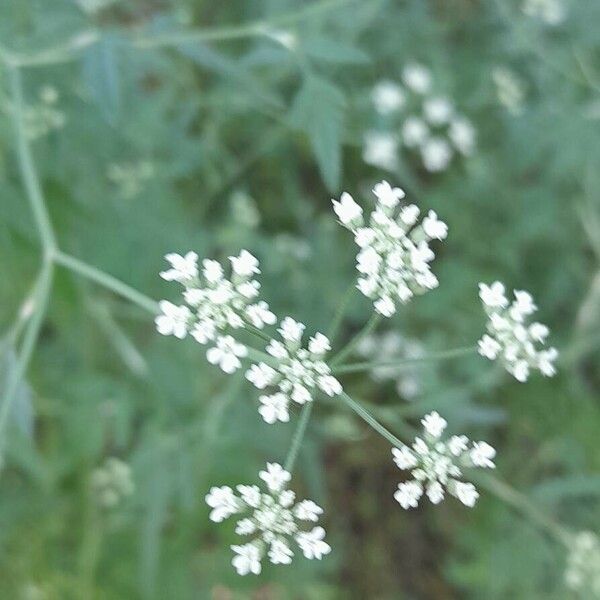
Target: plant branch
(338, 316)
(107, 281)
(347, 350)
(442, 355)
(298, 436)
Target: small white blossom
(510, 90)
(509, 339)
(414, 132)
(394, 252)
(550, 12)
(582, 573)
(297, 374)
(216, 304)
(347, 209)
(437, 465)
(436, 154)
(380, 149)
(388, 97)
(272, 517)
(417, 78)
(462, 135)
(438, 110)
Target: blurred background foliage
(168, 125)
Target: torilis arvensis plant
(394, 265)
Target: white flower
(247, 559)
(551, 12)
(582, 573)
(272, 517)
(436, 154)
(227, 354)
(183, 268)
(312, 544)
(437, 465)
(519, 346)
(215, 305)
(462, 135)
(394, 254)
(297, 374)
(433, 424)
(380, 149)
(417, 78)
(438, 110)
(347, 210)
(509, 89)
(388, 97)
(414, 132)
(274, 408)
(223, 503)
(245, 264)
(434, 228)
(290, 330)
(275, 476)
(387, 195)
(174, 320)
(493, 295)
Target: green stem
(347, 350)
(340, 312)
(366, 416)
(107, 281)
(298, 436)
(29, 340)
(254, 28)
(368, 366)
(28, 173)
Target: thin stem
(26, 165)
(254, 28)
(257, 332)
(368, 366)
(107, 281)
(366, 416)
(519, 501)
(298, 436)
(347, 350)
(29, 340)
(338, 316)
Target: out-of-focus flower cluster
(394, 255)
(414, 117)
(214, 305)
(112, 482)
(437, 465)
(130, 178)
(42, 118)
(509, 338)
(272, 518)
(390, 346)
(582, 574)
(296, 373)
(510, 90)
(549, 12)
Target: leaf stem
(340, 312)
(298, 436)
(368, 366)
(107, 281)
(347, 350)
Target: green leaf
(318, 111)
(335, 51)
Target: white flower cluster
(437, 465)
(44, 117)
(274, 519)
(112, 482)
(550, 12)
(297, 373)
(510, 338)
(394, 251)
(390, 346)
(214, 305)
(130, 178)
(509, 89)
(429, 123)
(583, 565)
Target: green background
(231, 113)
